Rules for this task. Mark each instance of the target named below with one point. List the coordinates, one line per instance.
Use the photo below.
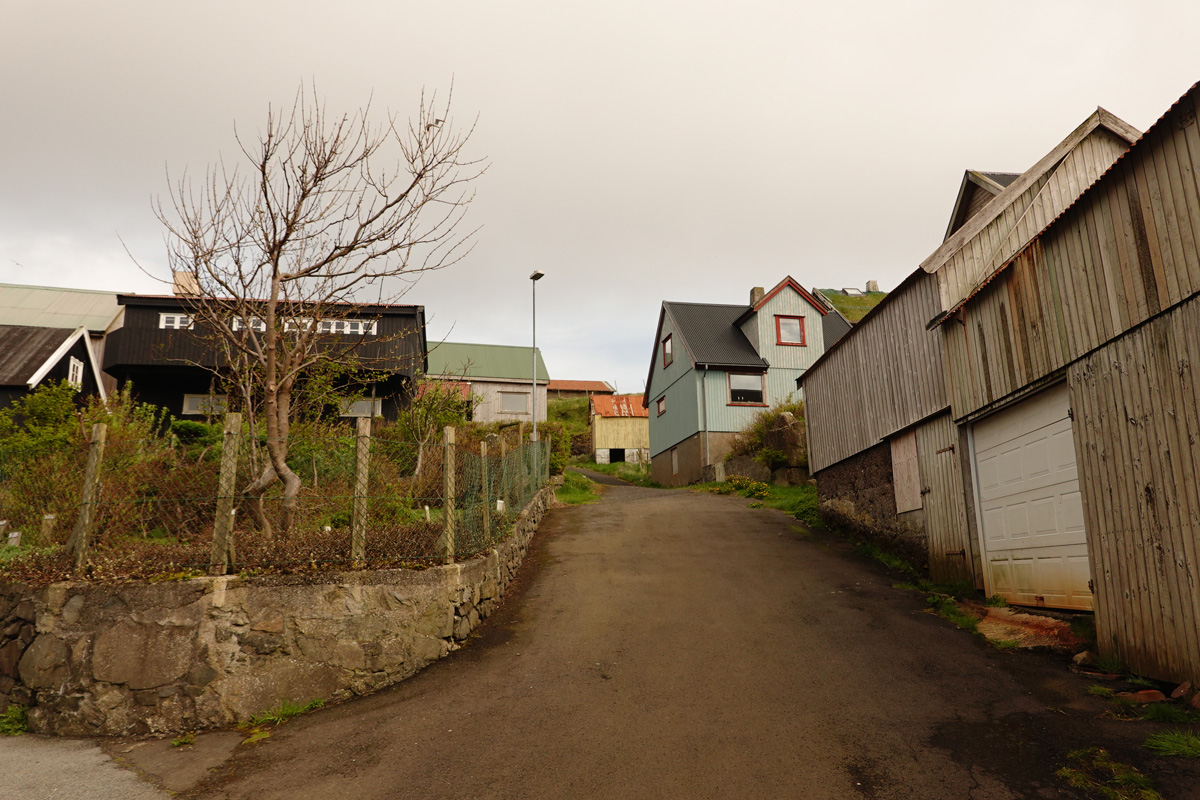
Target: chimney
(756, 295)
(872, 286)
(185, 285)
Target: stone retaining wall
(113, 659)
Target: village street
(674, 644)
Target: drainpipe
(704, 413)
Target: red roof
(599, 387)
(619, 405)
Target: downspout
(704, 413)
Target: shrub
(752, 440)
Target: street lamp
(534, 277)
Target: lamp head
(536, 275)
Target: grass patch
(1175, 743)
(576, 490)
(885, 557)
(1094, 771)
(1096, 690)
(1005, 644)
(947, 608)
(282, 713)
(1166, 712)
(637, 474)
(184, 740)
(14, 721)
(799, 501)
(995, 601)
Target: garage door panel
(1030, 506)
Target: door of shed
(1030, 508)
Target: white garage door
(1034, 546)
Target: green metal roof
(484, 361)
(48, 307)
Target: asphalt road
(665, 644)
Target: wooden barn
(882, 435)
(1072, 367)
(620, 429)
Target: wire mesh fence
(167, 506)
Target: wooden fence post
(81, 537)
(222, 547)
(448, 489)
(485, 489)
(358, 524)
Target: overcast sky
(639, 151)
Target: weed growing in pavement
(184, 740)
(1167, 712)
(282, 713)
(1097, 773)
(1096, 690)
(1005, 644)
(947, 608)
(576, 489)
(14, 721)
(1175, 743)
(995, 601)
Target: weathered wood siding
(950, 550)
(1123, 253)
(627, 433)
(885, 375)
(1136, 432)
(977, 250)
(1107, 295)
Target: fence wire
(156, 503)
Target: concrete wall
(691, 459)
(99, 659)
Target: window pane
(745, 389)
(790, 331)
(513, 403)
(667, 356)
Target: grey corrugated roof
(710, 335)
(1002, 178)
(24, 349)
(484, 361)
(48, 307)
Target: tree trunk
(254, 493)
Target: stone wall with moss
(113, 659)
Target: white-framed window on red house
(789, 330)
(668, 356)
(660, 405)
(747, 389)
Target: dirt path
(668, 644)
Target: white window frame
(175, 321)
(255, 324)
(349, 327)
(204, 405)
(366, 407)
(524, 402)
(75, 372)
(297, 324)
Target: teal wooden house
(716, 366)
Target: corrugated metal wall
(1136, 432)
(885, 375)
(950, 552)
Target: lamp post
(534, 277)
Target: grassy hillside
(854, 307)
(572, 414)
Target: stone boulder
(787, 436)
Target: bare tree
(322, 212)
(437, 402)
